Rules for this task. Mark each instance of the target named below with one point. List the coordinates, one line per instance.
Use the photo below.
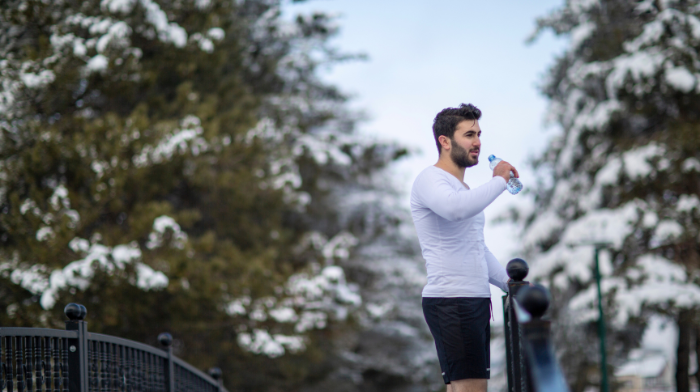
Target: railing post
(544, 372)
(167, 341)
(77, 348)
(507, 332)
(517, 270)
(215, 373)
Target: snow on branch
(594, 178)
(187, 138)
(571, 256)
(261, 342)
(324, 145)
(38, 279)
(161, 225)
(658, 283)
(167, 31)
(308, 299)
(665, 51)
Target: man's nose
(477, 143)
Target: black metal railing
(75, 360)
(531, 364)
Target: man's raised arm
(464, 203)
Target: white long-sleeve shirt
(450, 220)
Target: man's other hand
(503, 169)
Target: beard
(461, 157)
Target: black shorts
(462, 332)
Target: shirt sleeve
(497, 274)
(451, 204)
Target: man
(449, 219)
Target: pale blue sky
(428, 55)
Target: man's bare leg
(468, 385)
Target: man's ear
(445, 142)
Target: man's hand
(503, 169)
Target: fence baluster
(158, 367)
(47, 364)
(115, 368)
(145, 380)
(28, 362)
(149, 373)
(190, 382)
(121, 368)
(114, 361)
(132, 381)
(64, 364)
(56, 365)
(108, 367)
(2, 367)
(93, 366)
(8, 360)
(143, 358)
(138, 369)
(19, 359)
(165, 376)
(128, 377)
(38, 379)
(143, 372)
(104, 375)
(162, 383)
(154, 373)
(157, 370)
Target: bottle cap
(491, 157)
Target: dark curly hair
(446, 121)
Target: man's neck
(446, 164)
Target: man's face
(466, 144)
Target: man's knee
(469, 385)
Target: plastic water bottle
(514, 185)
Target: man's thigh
(468, 385)
(460, 327)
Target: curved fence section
(75, 360)
(531, 362)
(34, 359)
(120, 365)
(189, 379)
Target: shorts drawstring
(491, 307)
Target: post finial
(75, 312)
(165, 339)
(535, 300)
(215, 373)
(517, 269)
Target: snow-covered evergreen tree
(178, 165)
(626, 96)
